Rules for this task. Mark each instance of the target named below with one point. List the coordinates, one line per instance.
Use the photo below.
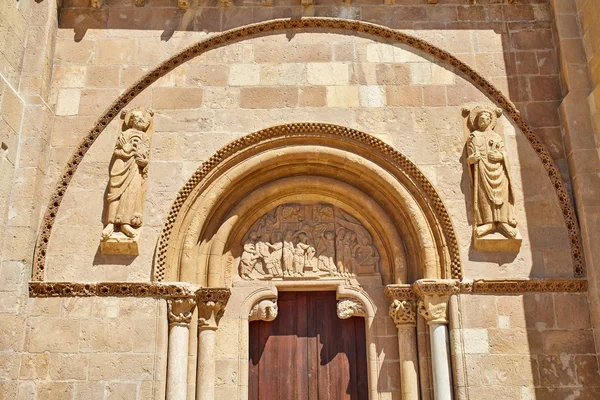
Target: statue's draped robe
(492, 188)
(127, 180)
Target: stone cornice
(171, 290)
(441, 287)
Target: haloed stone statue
(493, 195)
(127, 184)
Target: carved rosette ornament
(347, 308)
(264, 310)
(403, 313)
(307, 241)
(434, 309)
(180, 311)
(495, 225)
(124, 203)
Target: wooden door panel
(307, 352)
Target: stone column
(435, 311)
(180, 315)
(403, 313)
(209, 314)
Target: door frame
(346, 289)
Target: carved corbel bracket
(403, 313)
(139, 3)
(264, 310)
(180, 311)
(211, 306)
(183, 4)
(347, 308)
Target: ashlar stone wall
(533, 345)
(403, 98)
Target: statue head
(289, 234)
(277, 237)
(138, 118)
(484, 120)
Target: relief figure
(493, 195)
(327, 254)
(365, 254)
(276, 255)
(288, 254)
(249, 256)
(128, 173)
(314, 241)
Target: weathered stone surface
(534, 53)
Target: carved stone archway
(331, 164)
(275, 26)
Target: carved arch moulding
(309, 201)
(276, 26)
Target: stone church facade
(391, 199)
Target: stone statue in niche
(493, 194)
(127, 183)
(307, 241)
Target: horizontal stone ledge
(441, 287)
(167, 290)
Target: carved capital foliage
(434, 309)
(264, 310)
(211, 306)
(347, 308)
(209, 314)
(403, 313)
(180, 311)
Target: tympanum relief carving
(495, 225)
(127, 184)
(307, 241)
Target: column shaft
(177, 362)
(409, 363)
(205, 379)
(440, 358)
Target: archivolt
(238, 34)
(340, 165)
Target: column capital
(434, 309)
(211, 306)
(180, 311)
(403, 313)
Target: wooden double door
(307, 352)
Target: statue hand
(495, 156)
(141, 160)
(472, 159)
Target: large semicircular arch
(240, 178)
(377, 32)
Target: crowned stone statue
(493, 194)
